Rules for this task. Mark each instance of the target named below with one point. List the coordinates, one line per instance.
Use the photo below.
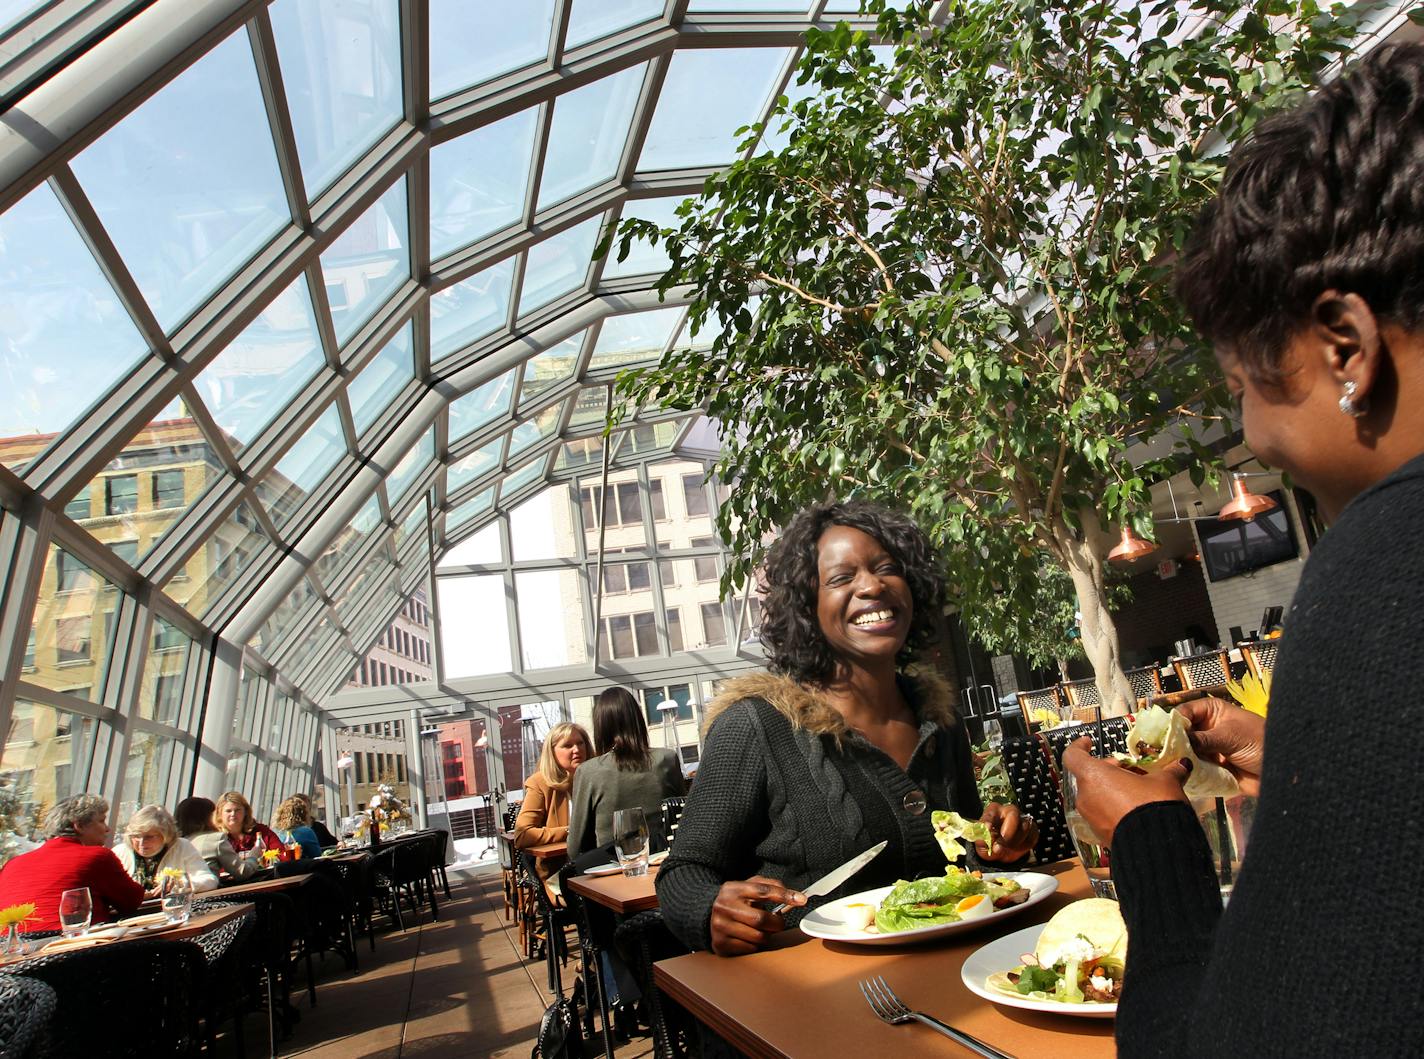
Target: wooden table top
(545, 852)
(801, 997)
(265, 886)
(197, 924)
(619, 892)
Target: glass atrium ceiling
(284, 284)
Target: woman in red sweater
(77, 854)
(234, 816)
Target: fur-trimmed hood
(930, 697)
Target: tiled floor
(457, 986)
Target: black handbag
(559, 1033)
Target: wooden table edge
(734, 1033)
(580, 884)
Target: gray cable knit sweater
(784, 789)
(1313, 954)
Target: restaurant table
(264, 886)
(801, 996)
(545, 852)
(198, 923)
(621, 893)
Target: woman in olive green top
(627, 774)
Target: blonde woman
(234, 818)
(544, 813)
(151, 845)
(293, 824)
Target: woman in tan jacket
(544, 813)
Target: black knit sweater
(1319, 949)
(785, 790)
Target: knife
(833, 878)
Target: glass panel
(852, 7)
(284, 615)
(468, 468)
(411, 525)
(160, 697)
(255, 377)
(223, 558)
(480, 406)
(559, 264)
(633, 337)
(352, 539)
(748, 5)
(355, 591)
(548, 369)
(187, 185)
(341, 69)
(148, 769)
(475, 506)
(587, 136)
(590, 406)
(162, 470)
(576, 455)
(304, 467)
(591, 19)
(644, 258)
(647, 437)
(694, 127)
(404, 474)
(56, 308)
(367, 263)
(469, 45)
(551, 631)
(468, 603)
(526, 435)
(73, 627)
(521, 478)
(482, 548)
(478, 182)
(542, 527)
(714, 625)
(46, 759)
(384, 376)
(471, 309)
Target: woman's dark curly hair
(790, 629)
(1327, 195)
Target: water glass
(993, 735)
(630, 840)
(76, 909)
(1091, 850)
(177, 900)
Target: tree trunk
(1084, 560)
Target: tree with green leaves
(950, 290)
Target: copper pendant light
(1130, 548)
(1244, 504)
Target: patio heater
(668, 708)
(347, 763)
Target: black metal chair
(402, 870)
(357, 879)
(26, 1007)
(102, 987)
(644, 939)
(1260, 656)
(439, 846)
(590, 983)
(232, 975)
(672, 813)
(1146, 683)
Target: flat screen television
(1234, 547)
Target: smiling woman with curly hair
(840, 746)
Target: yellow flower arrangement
(171, 873)
(1251, 691)
(1045, 718)
(270, 857)
(16, 915)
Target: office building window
(121, 494)
(126, 550)
(630, 503)
(655, 499)
(694, 495)
(620, 636)
(714, 624)
(168, 488)
(645, 633)
(72, 638)
(80, 507)
(668, 569)
(674, 628)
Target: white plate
(1004, 955)
(604, 869)
(826, 923)
(113, 930)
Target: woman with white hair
(151, 846)
(76, 856)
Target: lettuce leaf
(950, 827)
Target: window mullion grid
(642, 117)
(274, 97)
(559, 32)
(645, 492)
(123, 678)
(511, 606)
(25, 540)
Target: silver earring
(1352, 408)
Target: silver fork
(890, 1008)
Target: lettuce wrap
(949, 828)
(1157, 738)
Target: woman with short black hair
(627, 773)
(838, 747)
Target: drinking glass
(177, 900)
(1091, 850)
(993, 735)
(76, 909)
(630, 840)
